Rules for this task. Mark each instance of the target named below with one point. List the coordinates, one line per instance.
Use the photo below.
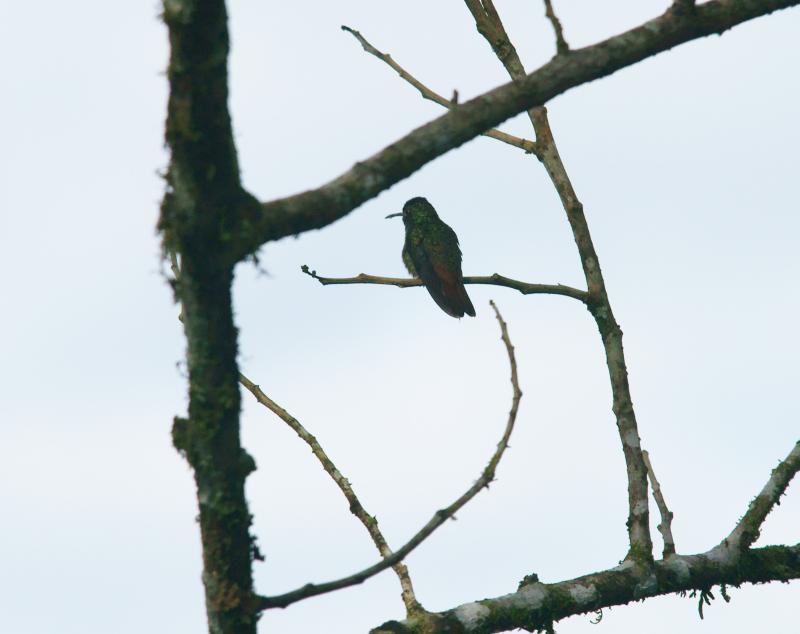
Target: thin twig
(439, 518)
(430, 95)
(665, 527)
(495, 279)
(370, 522)
(641, 547)
(749, 527)
(561, 44)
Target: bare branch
(370, 522)
(494, 279)
(430, 95)
(319, 207)
(665, 527)
(439, 518)
(561, 44)
(749, 527)
(641, 547)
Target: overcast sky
(687, 167)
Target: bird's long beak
(399, 213)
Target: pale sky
(687, 167)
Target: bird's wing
(442, 278)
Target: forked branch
(370, 522)
(439, 518)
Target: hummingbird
(431, 253)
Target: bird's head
(416, 211)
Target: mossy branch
(536, 606)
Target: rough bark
(536, 606)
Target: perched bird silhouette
(431, 253)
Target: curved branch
(495, 279)
(356, 508)
(439, 518)
(319, 207)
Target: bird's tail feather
(453, 300)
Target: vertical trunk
(210, 441)
(200, 216)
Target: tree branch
(665, 526)
(370, 522)
(430, 95)
(749, 527)
(536, 606)
(494, 279)
(641, 547)
(561, 44)
(439, 518)
(319, 207)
